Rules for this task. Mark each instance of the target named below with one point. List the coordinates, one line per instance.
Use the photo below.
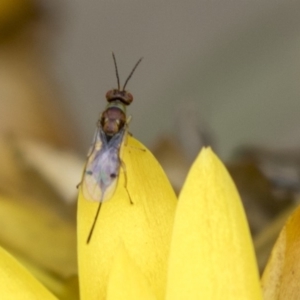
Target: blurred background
(224, 74)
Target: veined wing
(102, 168)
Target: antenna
(138, 62)
(116, 69)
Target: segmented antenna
(138, 62)
(116, 69)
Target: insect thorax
(113, 118)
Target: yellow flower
(134, 254)
(155, 248)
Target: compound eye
(108, 95)
(129, 98)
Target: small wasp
(101, 171)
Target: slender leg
(123, 166)
(94, 223)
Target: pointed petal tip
(218, 244)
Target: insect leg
(94, 223)
(123, 166)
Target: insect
(103, 164)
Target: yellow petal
(282, 275)
(212, 255)
(62, 287)
(126, 281)
(32, 226)
(17, 283)
(144, 227)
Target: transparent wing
(102, 168)
(89, 186)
